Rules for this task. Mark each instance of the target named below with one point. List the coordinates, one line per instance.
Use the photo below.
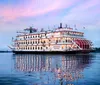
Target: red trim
(88, 43)
(84, 44)
(81, 43)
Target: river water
(49, 69)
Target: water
(46, 69)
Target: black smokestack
(60, 25)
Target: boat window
(46, 47)
(38, 41)
(41, 41)
(30, 47)
(38, 47)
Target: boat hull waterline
(53, 52)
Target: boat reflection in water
(52, 69)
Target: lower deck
(56, 52)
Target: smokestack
(60, 25)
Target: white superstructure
(62, 39)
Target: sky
(16, 15)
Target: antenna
(75, 27)
(83, 27)
(54, 27)
(42, 29)
(48, 28)
(66, 26)
(69, 26)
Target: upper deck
(59, 32)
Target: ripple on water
(44, 69)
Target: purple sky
(16, 15)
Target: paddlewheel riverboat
(62, 39)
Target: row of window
(58, 41)
(30, 37)
(30, 48)
(34, 36)
(37, 42)
(34, 42)
(73, 33)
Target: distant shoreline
(5, 51)
(97, 49)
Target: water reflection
(53, 69)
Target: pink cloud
(33, 8)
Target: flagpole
(75, 27)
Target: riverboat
(60, 40)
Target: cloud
(85, 14)
(33, 8)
